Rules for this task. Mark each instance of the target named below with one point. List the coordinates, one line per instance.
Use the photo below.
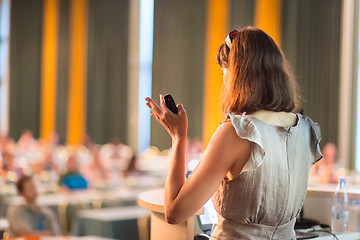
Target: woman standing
(256, 165)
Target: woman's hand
(175, 124)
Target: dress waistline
(228, 229)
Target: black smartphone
(170, 103)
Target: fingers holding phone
(172, 117)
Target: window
(145, 71)
(4, 59)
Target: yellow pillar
(216, 31)
(77, 71)
(268, 18)
(49, 68)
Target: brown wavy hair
(259, 75)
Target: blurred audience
(30, 219)
(71, 167)
(51, 163)
(72, 179)
(324, 171)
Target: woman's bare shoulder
(226, 137)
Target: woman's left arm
(225, 149)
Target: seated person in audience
(194, 150)
(54, 140)
(72, 179)
(131, 169)
(30, 219)
(325, 170)
(27, 143)
(46, 170)
(86, 141)
(116, 155)
(6, 144)
(49, 163)
(96, 172)
(13, 172)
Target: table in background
(344, 236)
(65, 205)
(124, 193)
(91, 198)
(118, 223)
(318, 204)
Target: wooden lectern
(153, 200)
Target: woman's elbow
(172, 218)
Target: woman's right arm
(224, 151)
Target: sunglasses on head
(229, 38)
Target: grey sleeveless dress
(262, 202)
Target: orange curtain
(268, 18)
(77, 79)
(216, 30)
(49, 68)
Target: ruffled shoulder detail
(246, 129)
(315, 139)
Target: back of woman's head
(259, 76)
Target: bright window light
(4, 51)
(357, 149)
(145, 71)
